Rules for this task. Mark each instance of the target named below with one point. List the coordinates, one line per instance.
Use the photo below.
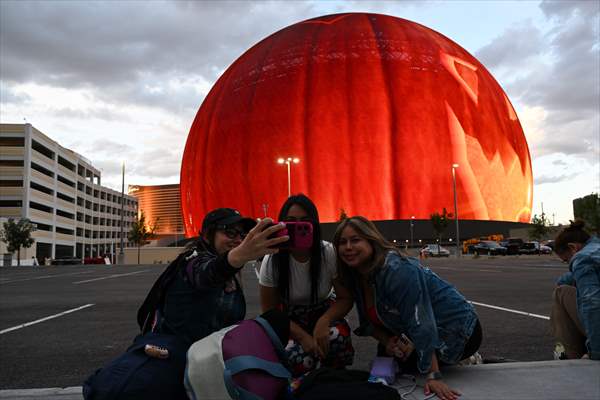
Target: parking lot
(60, 323)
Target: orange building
(161, 203)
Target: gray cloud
(554, 179)
(127, 51)
(9, 96)
(564, 9)
(104, 147)
(573, 136)
(102, 113)
(511, 46)
(165, 166)
(562, 74)
(116, 47)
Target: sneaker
(473, 360)
(559, 352)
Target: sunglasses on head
(232, 233)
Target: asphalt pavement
(59, 324)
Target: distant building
(60, 191)
(163, 204)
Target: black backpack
(156, 295)
(329, 383)
(135, 374)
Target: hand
(441, 390)
(309, 345)
(257, 243)
(396, 348)
(321, 337)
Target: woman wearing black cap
(200, 292)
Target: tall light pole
(412, 224)
(121, 253)
(454, 166)
(288, 161)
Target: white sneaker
(473, 360)
(559, 352)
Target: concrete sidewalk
(542, 380)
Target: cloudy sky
(123, 80)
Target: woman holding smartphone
(415, 316)
(202, 293)
(305, 284)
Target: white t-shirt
(300, 276)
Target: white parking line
(509, 310)
(43, 277)
(461, 270)
(14, 328)
(110, 277)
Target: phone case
(300, 233)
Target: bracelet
(436, 376)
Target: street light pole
(412, 224)
(288, 161)
(121, 253)
(458, 252)
(289, 168)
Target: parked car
(534, 247)
(512, 245)
(549, 243)
(489, 247)
(94, 260)
(434, 250)
(66, 261)
(530, 248)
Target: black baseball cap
(226, 217)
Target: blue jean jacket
(584, 273)
(413, 300)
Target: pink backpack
(245, 361)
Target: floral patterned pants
(341, 351)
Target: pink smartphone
(300, 233)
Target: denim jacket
(412, 299)
(584, 270)
(204, 297)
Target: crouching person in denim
(415, 316)
(575, 318)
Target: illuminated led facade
(377, 108)
(160, 202)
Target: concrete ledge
(68, 393)
(541, 380)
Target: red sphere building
(376, 108)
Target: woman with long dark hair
(415, 316)
(575, 318)
(306, 285)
